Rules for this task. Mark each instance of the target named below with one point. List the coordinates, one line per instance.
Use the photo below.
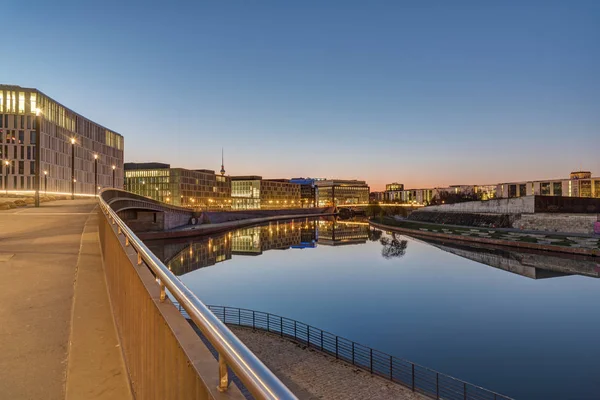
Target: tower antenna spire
(222, 163)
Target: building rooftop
(246, 178)
(147, 165)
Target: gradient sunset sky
(426, 93)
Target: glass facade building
(333, 192)
(253, 193)
(20, 109)
(178, 186)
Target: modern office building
(253, 192)
(308, 190)
(332, 192)
(63, 132)
(579, 184)
(200, 188)
(393, 192)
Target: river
(524, 324)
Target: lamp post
(38, 123)
(45, 182)
(113, 183)
(72, 168)
(6, 164)
(96, 172)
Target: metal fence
(428, 382)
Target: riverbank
(547, 241)
(209, 229)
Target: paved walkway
(57, 336)
(311, 374)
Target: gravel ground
(311, 374)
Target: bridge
(128, 328)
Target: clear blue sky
(427, 93)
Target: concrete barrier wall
(165, 358)
(567, 223)
(518, 205)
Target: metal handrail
(426, 381)
(255, 376)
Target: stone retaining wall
(570, 223)
(518, 205)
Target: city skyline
(424, 96)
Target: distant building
(339, 192)
(579, 184)
(393, 192)
(308, 190)
(59, 126)
(253, 192)
(378, 197)
(200, 188)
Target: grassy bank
(550, 239)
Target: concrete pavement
(54, 306)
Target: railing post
(223, 376)
(413, 377)
(465, 389)
(336, 348)
(371, 357)
(126, 241)
(239, 316)
(139, 260)
(163, 292)
(437, 385)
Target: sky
(425, 93)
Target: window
(32, 137)
(557, 187)
(522, 190)
(29, 152)
(32, 168)
(29, 122)
(1, 116)
(512, 190)
(21, 102)
(545, 188)
(22, 152)
(1, 101)
(21, 167)
(21, 137)
(33, 102)
(22, 119)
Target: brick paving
(311, 374)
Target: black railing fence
(428, 382)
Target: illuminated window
(21, 102)
(33, 102)
(1, 101)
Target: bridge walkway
(57, 335)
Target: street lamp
(72, 168)
(6, 164)
(45, 182)
(114, 168)
(96, 171)
(38, 123)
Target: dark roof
(148, 165)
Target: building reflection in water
(183, 257)
(534, 264)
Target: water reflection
(529, 263)
(393, 247)
(184, 256)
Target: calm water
(532, 333)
